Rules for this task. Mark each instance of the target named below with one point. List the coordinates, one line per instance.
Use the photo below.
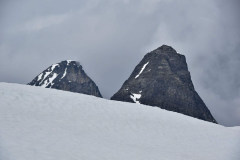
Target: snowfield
(47, 124)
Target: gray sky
(110, 37)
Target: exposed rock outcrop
(69, 76)
(162, 79)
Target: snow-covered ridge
(47, 124)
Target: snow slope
(46, 124)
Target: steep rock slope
(67, 75)
(47, 124)
(162, 79)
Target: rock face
(162, 79)
(66, 75)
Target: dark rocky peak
(162, 79)
(165, 49)
(67, 75)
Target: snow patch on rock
(49, 80)
(42, 83)
(45, 82)
(68, 61)
(39, 77)
(135, 97)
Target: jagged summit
(162, 79)
(67, 75)
(165, 48)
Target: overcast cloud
(110, 37)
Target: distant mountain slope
(48, 124)
(67, 75)
(162, 79)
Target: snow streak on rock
(64, 74)
(45, 82)
(52, 79)
(141, 70)
(53, 66)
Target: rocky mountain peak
(165, 48)
(162, 79)
(67, 75)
